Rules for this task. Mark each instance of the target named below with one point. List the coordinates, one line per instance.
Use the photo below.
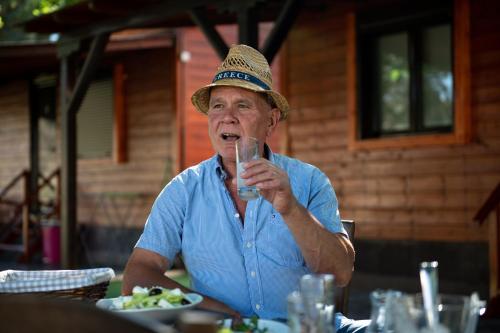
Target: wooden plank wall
(112, 194)
(404, 194)
(121, 195)
(196, 73)
(14, 132)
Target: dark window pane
(393, 82)
(437, 77)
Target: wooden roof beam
(199, 16)
(248, 26)
(150, 15)
(281, 28)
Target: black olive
(185, 301)
(154, 291)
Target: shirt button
(237, 215)
(252, 273)
(257, 306)
(249, 244)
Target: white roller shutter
(95, 121)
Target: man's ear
(274, 119)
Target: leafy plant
(14, 11)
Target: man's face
(236, 112)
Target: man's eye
(217, 106)
(243, 106)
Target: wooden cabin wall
(423, 194)
(115, 195)
(14, 133)
(114, 199)
(197, 72)
(149, 96)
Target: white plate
(158, 314)
(271, 325)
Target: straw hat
(244, 67)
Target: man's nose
(230, 115)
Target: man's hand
(323, 251)
(272, 182)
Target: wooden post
(493, 253)
(58, 196)
(68, 172)
(34, 146)
(492, 204)
(496, 269)
(26, 215)
(69, 109)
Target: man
(244, 257)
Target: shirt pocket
(280, 246)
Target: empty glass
(296, 313)
(383, 310)
(456, 313)
(405, 313)
(319, 287)
(311, 310)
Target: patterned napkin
(12, 281)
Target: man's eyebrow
(244, 100)
(216, 99)
(239, 100)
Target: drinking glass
(318, 299)
(296, 315)
(456, 313)
(247, 149)
(385, 304)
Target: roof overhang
(25, 59)
(85, 17)
(91, 18)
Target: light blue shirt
(251, 267)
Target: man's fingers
(253, 169)
(265, 176)
(270, 184)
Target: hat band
(240, 76)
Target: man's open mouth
(229, 136)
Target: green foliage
(48, 6)
(13, 11)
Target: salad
(151, 298)
(251, 326)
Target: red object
(51, 244)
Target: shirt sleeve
(323, 203)
(163, 229)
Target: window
(406, 72)
(95, 121)
(102, 118)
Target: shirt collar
(222, 174)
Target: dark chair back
(342, 294)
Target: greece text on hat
(246, 68)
